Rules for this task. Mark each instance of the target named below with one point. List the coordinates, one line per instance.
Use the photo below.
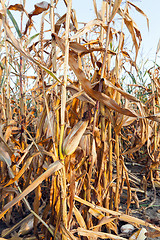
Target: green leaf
(14, 23)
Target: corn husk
(72, 140)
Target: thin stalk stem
(117, 137)
(63, 109)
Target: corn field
(77, 114)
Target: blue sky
(85, 12)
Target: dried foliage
(70, 126)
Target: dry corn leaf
(94, 234)
(127, 121)
(125, 54)
(140, 11)
(130, 27)
(60, 21)
(39, 8)
(16, 44)
(8, 133)
(80, 94)
(77, 47)
(79, 218)
(123, 93)
(100, 49)
(17, 7)
(23, 169)
(158, 47)
(121, 216)
(110, 103)
(86, 28)
(155, 117)
(116, 6)
(139, 235)
(104, 220)
(134, 149)
(52, 169)
(4, 156)
(96, 213)
(5, 145)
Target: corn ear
(72, 140)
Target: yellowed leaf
(110, 103)
(17, 7)
(60, 21)
(23, 169)
(80, 94)
(158, 47)
(4, 156)
(104, 220)
(116, 5)
(96, 213)
(39, 8)
(86, 28)
(139, 235)
(94, 234)
(79, 218)
(155, 117)
(121, 216)
(16, 44)
(140, 11)
(52, 168)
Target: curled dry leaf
(39, 8)
(140, 11)
(4, 156)
(101, 97)
(87, 28)
(60, 21)
(116, 5)
(17, 7)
